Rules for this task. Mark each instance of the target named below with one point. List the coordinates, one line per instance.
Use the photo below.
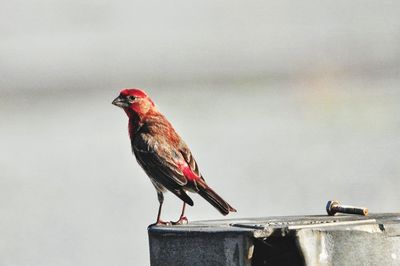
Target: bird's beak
(120, 102)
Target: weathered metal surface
(293, 240)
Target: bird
(163, 155)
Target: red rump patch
(189, 173)
(134, 92)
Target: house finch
(163, 155)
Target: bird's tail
(214, 199)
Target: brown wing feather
(158, 159)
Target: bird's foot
(160, 222)
(182, 220)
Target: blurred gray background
(284, 104)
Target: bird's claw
(182, 220)
(161, 222)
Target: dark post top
(267, 226)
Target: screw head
(329, 207)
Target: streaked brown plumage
(163, 155)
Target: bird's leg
(161, 201)
(182, 218)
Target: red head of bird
(135, 102)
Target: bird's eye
(131, 98)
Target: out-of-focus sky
(285, 105)
(62, 45)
